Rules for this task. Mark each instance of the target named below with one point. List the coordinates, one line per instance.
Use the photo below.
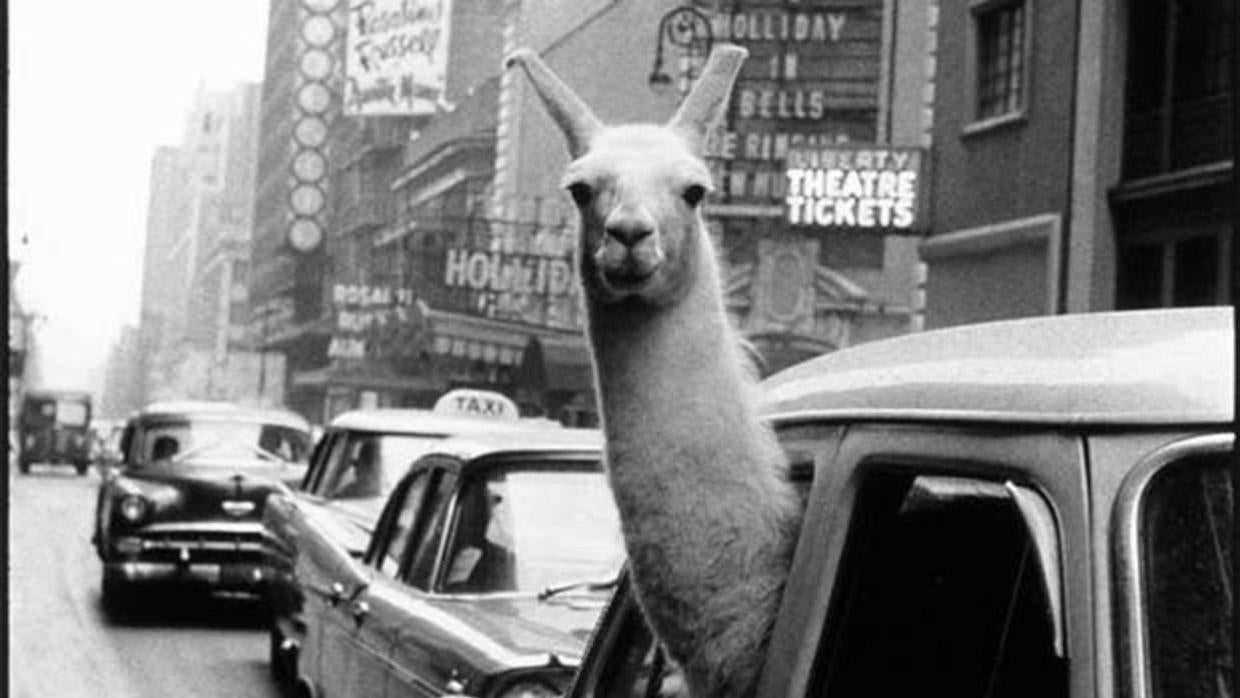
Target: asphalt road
(63, 645)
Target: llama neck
(672, 380)
(709, 519)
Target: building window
(1173, 272)
(1179, 93)
(1001, 40)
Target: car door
(422, 666)
(331, 582)
(379, 613)
(940, 560)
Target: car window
(370, 464)
(940, 593)
(72, 413)
(1187, 549)
(532, 526)
(219, 441)
(387, 556)
(424, 550)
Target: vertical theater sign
(806, 196)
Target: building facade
(1082, 156)
(447, 251)
(821, 74)
(194, 316)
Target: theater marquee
(856, 187)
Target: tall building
(1083, 158)
(196, 260)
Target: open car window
(941, 592)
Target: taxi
(1035, 507)
(490, 563)
(358, 460)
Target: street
(62, 644)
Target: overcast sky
(94, 87)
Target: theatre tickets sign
(396, 56)
(853, 187)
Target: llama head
(638, 187)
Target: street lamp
(688, 30)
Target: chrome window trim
(1130, 634)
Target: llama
(707, 512)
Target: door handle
(336, 595)
(360, 609)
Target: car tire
(82, 468)
(116, 596)
(23, 466)
(282, 664)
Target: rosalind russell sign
(855, 187)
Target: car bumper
(222, 576)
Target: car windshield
(368, 464)
(216, 440)
(530, 529)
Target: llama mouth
(626, 279)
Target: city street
(62, 644)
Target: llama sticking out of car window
(708, 516)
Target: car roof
(1132, 367)
(206, 409)
(420, 421)
(538, 439)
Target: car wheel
(82, 468)
(23, 467)
(117, 597)
(274, 658)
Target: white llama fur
(708, 514)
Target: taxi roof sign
(477, 403)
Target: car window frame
(1130, 629)
(338, 448)
(317, 458)
(1031, 457)
(385, 530)
(438, 524)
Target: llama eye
(581, 192)
(693, 194)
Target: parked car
(356, 464)
(54, 429)
(1027, 508)
(184, 509)
(488, 568)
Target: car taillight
(133, 508)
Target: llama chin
(708, 514)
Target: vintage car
(54, 429)
(1026, 508)
(360, 457)
(490, 564)
(184, 508)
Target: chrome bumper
(222, 575)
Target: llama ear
(709, 97)
(567, 109)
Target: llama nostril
(629, 235)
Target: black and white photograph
(621, 348)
